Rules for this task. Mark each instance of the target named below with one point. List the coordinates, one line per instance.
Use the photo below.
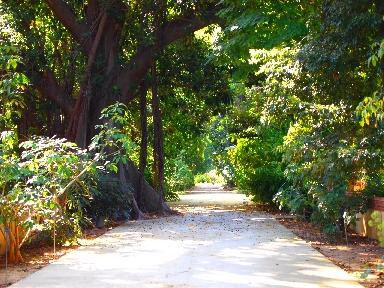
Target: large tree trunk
(107, 80)
(152, 201)
(146, 198)
(94, 97)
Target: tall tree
(85, 55)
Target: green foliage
(192, 89)
(178, 177)
(254, 24)
(112, 144)
(56, 182)
(12, 85)
(257, 164)
(325, 150)
(378, 223)
(318, 87)
(52, 182)
(294, 200)
(113, 147)
(44, 188)
(220, 144)
(258, 137)
(375, 183)
(209, 177)
(304, 80)
(203, 178)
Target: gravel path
(216, 243)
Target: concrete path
(215, 244)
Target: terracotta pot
(378, 203)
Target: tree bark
(144, 142)
(79, 119)
(158, 145)
(151, 200)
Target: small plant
(294, 200)
(113, 147)
(112, 144)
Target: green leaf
(12, 63)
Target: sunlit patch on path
(215, 243)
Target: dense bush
(256, 152)
(326, 149)
(43, 189)
(257, 163)
(210, 177)
(325, 94)
(203, 178)
(48, 183)
(178, 177)
(323, 159)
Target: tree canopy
(284, 99)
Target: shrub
(322, 158)
(257, 163)
(294, 200)
(203, 178)
(377, 222)
(42, 190)
(211, 177)
(178, 177)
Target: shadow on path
(214, 244)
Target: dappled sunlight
(209, 246)
(261, 218)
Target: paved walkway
(215, 244)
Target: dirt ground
(38, 256)
(360, 255)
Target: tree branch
(139, 65)
(68, 18)
(50, 89)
